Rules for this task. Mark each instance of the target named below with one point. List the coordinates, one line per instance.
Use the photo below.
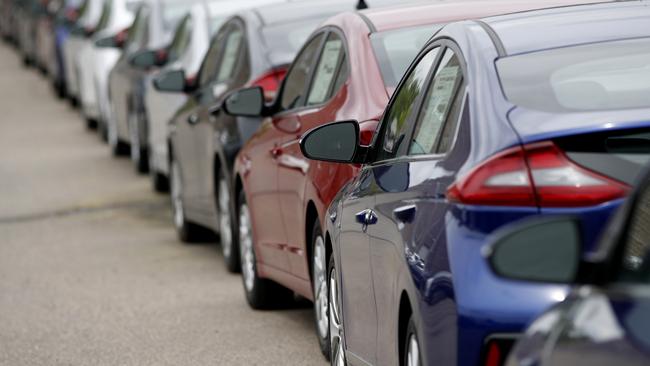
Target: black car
(605, 319)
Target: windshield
(396, 49)
(173, 12)
(285, 40)
(602, 76)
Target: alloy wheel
(224, 218)
(336, 326)
(177, 195)
(246, 247)
(320, 286)
(413, 351)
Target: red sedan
(347, 70)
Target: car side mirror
(336, 142)
(172, 82)
(149, 58)
(247, 102)
(539, 250)
(107, 42)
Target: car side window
(439, 107)
(211, 60)
(328, 70)
(636, 250)
(181, 39)
(396, 127)
(230, 55)
(293, 93)
(138, 32)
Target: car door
(413, 171)
(329, 74)
(270, 229)
(185, 133)
(231, 70)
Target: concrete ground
(91, 272)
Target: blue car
(497, 120)
(64, 23)
(605, 320)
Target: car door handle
(406, 213)
(277, 151)
(366, 217)
(193, 119)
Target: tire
(91, 123)
(229, 247)
(412, 355)
(260, 293)
(320, 288)
(336, 340)
(118, 147)
(159, 182)
(139, 154)
(187, 231)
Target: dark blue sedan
(497, 120)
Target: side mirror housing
(539, 250)
(148, 58)
(247, 102)
(336, 142)
(172, 82)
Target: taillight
(538, 174)
(161, 57)
(496, 350)
(270, 82)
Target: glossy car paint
(94, 63)
(285, 207)
(160, 107)
(430, 261)
(75, 42)
(604, 320)
(126, 82)
(211, 143)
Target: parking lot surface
(91, 272)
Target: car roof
(301, 10)
(440, 11)
(571, 25)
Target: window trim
(232, 23)
(330, 92)
(443, 43)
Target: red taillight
(161, 56)
(535, 175)
(270, 82)
(121, 37)
(493, 356)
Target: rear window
(396, 49)
(284, 40)
(593, 77)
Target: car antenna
(362, 5)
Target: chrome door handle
(366, 217)
(193, 119)
(406, 213)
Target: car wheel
(230, 252)
(412, 356)
(337, 345)
(319, 285)
(187, 231)
(91, 123)
(137, 151)
(118, 147)
(260, 293)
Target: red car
(347, 70)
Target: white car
(95, 60)
(190, 44)
(86, 25)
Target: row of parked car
(434, 175)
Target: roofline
(498, 44)
(368, 22)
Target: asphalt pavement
(91, 271)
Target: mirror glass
(333, 142)
(107, 42)
(540, 251)
(144, 59)
(172, 81)
(245, 102)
